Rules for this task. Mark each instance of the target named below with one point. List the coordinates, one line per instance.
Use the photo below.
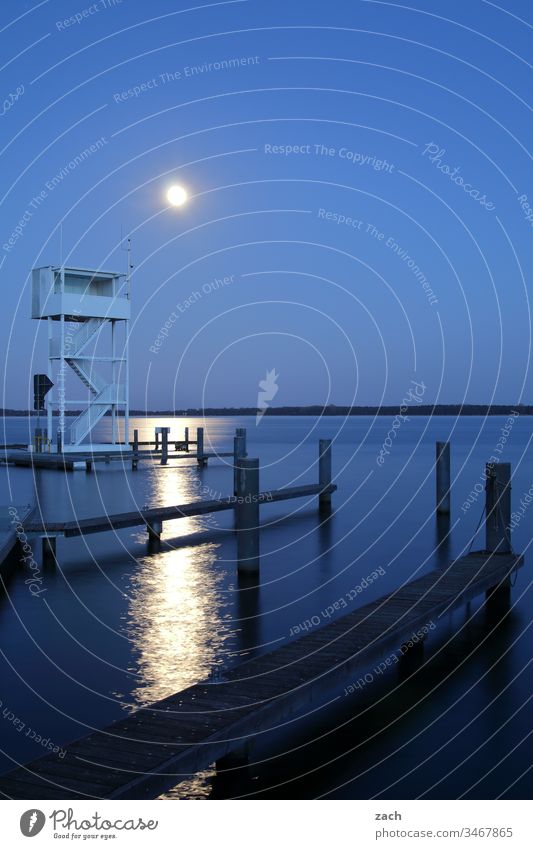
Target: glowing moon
(176, 195)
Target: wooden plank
(99, 524)
(204, 722)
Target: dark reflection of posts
(234, 772)
(498, 533)
(442, 539)
(325, 537)
(247, 516)
(248, 611)
(443, 477)
(154, 530)
(411, 658)
(324, 500)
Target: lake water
(117, 627)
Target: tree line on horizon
(319, 410)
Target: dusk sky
(361, 204)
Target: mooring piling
(234, 766)
(498, 530)
(239, 452)
(442, 464)
(135, 455)
(247, 516)
(154, 529)
(324, 472)
(164, 445)
(498, 507)
(187, 440)
(200, 455)
(49, 549)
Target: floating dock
(156, 747)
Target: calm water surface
(117, 627)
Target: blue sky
(359, 181)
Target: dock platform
(151, 515)
(154, 748)
(70, 461)
(12, 516)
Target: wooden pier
(157, 515)
(151, 750)
(68, 461)
(245, 502)
(13, 525)
(84, 460)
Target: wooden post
(187, 440)
(88, 465)
(135, 455)
(411, 656)
(234, 767)
(442, 464)
(156, 437)
(239, 452)
(241, 431)
(247, 516)
(154, 529)
(498, 508)
(164, 446)
(324, 471)
(49, 550)
(201, 458)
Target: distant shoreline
(330, 410)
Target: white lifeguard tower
(86, 311)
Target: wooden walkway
(78, 460)
(152, 749)
(10, 516)
(149, 516)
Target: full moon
(176, 195)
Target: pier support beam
(135, 455)
(324, 472)
(247, 516)
(498, 508)
(156, 438)
(200, 456)
(443, 479)
(187, 440)
(49, 550)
